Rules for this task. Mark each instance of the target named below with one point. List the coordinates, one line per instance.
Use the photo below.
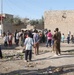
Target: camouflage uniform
(57, 39)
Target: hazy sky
(34, 9)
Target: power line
(9, 8)
(17, 9)
(16, 6)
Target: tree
(17, 21)
(32, 22)
(25, 21)
(37, 21)
(41, 21)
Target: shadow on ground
(9, 47)
(51, 70)
(72, 50)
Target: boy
(28, 47)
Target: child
(28, 47)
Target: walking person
(28, 47)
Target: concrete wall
(37, 27)
(18, 27)
(7, 25)
(64, 20)
(40, 26)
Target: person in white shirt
(5, 40)
(28, 47)
(17, 38)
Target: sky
(34, 9)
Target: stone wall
(63, 19)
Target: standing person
(10, 39)
(36, 39)
(49, 38)
(62, 38)
(1, 53)
(45, 33)
(57, 40)
(40, 34)
(17, 38)
(8, 32)
(68, 39)
(15, 35)
(69, 33)
(43, 37)
(5, 39)
(28, 47)
(72, 38)
(35, 30)
(53, 41)
(30, 32)
(22, 38)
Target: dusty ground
(43, 64)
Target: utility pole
(1, 17)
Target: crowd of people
(29, 38)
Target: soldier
(57, 40)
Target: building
(63, 19)
(9, 25)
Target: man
(1, 53)
(17, 38)
(15, 35)
(36, 39)
(57, 39)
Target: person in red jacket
(49, 38)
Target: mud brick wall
(63, 19)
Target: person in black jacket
(1, 53)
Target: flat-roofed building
(63, 19)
